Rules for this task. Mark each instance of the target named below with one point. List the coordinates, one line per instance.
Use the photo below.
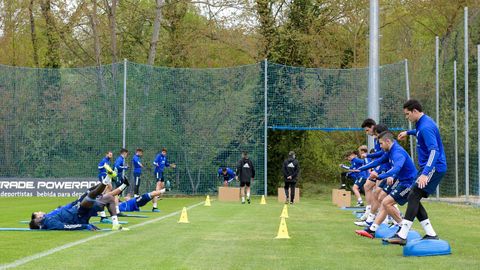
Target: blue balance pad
(426, 248)
(384, 231)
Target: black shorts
(242, 184)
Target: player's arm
(432, 145)
(375, 155)
(375, 163)
(296, 170)
(284, 169)
(398, 161)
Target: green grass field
(234, 236)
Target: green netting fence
(58, 123)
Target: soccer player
(399, 180)
(433, 166)
(121, 168)
(290, 170)
(246, 173)
(160, 163)
(134, 204)
(374, 196)
(137, 170)
(359, 178)
(104, 167)
(227, 174)
(76, 216)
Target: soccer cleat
(291, 202)
(286, 202)
(396, 240)
(363, 217)
(359, 204)
(429, 237)
(248, 200)
(121, 214)
(155, 209)
(125, 181)
(119, 227)
(243, 202)
(366, 233)
(362, 223)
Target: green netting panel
(57, 122)
(332, 99)
(204, 117)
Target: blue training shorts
(159, 176)
(434, 180)
(388, 188)
(400, 193)
(360, 182)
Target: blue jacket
(102, 172)
(230, 174)
(160, 163)
(378, 150)
(430, 152)
(120, 166)
(402, 168)
(64, 219)
(137, 164)
(355, 164)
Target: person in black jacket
(246, 173)
(290, 169)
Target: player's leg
(242, 190)
(225, 183)
(292, 192)
(286, 187)
(369, 197)
(158, 187)
(356, 191)
(247, 187)
(137, 179)
(382, 214)
(107, 200)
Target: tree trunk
(112, 19)
(156, 32)
(96, 39)
(53, 54)
(33, 34)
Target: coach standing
(291, 169)
(246, 173)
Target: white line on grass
(79, 242)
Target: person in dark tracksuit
(245, 173)
(290, 169)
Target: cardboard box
(281, 195)
(229, 194)
(341, 197)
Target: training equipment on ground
(263, 201)
(228, 194)
(134, 216)
(341, 197)
(150, 211)
(207, 201)
(282, 230)
(281, 195)
(183, 216)
(108, 221)
(427, 247)
(30, 230)
(357, 209)
(284, 212)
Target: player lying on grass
(403, 169)
(76, 215)
(134, 204)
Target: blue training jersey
(137, 164)
(64, 219)
(160, 163)
(102, 172)
(402, 166)
(430, 152)
(120, 166)
(230, 174)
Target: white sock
(368, 208)
(154, 205)
(115, 220)
(427, 226)
(118, 209)
(122, 187)
(406, 225)
(394, 221)
(359, 200)
(162, 190)
(371, 217)
(374, 227)
(385, 221)
(107, 180)
(102, 214)
(248, 195)
(243, 198)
